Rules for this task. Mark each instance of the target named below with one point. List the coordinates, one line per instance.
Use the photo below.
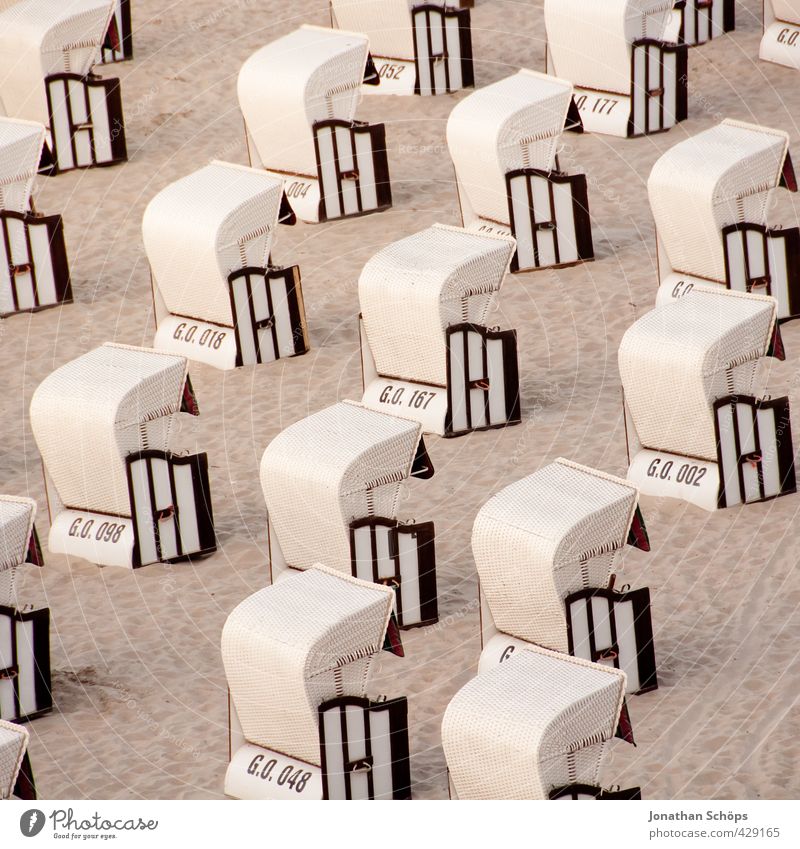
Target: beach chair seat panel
(703, 20)
(764, 261)
(24, 663)
(482, 378)
(755, 453)
(402, 557)
(352, 168)
(614, 629)
(33, 262)
(364, 749)
(269, 315)
(86, 121)
(170, 506)
(549, 215)
(442, 49)
(659, 96)
(118, 42)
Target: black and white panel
(614, 629)
(24, 663)
(754, 449)
(353, 168)
(764, 261)
(442, 49)
(269, 316)
(118, 42)
(659, 95)
(170, 506)
(402, 557)
(34, 272)
(482, 378)
(549, 215)
(588, 791)
(702, 20)
(86, 122)
(364, 749)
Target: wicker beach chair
(418, 47)
(503, 140)
(218, 298)
(297, 656)
(533, 726)
(545, 549)
(426, 351)
(47, 51)
(332, 482)
(34, 272)
(299, 96)
(695, 22)
(117, 44)
(14, 764)
(24, 629)
(781, 40)
(629, 79)
(709, 195)
(700, 429)
(118, 494)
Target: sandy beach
(141, 699)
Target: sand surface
(137, 676)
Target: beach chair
(426, 352)
(695, 22)
(34, 272)
(534, 725)
(217, 297)
(546, 549)
(16, 778)
(700, 428)
(297, 656)
(417, 47)
(47, 51)
(332, 482)
(503, 140)
(119, 493)
(298, 96)
(117, 44)
(781, 40)
(709, 195)
(24, 629)
(629, 79)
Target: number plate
(98, 538)
(258, 773)
(396, 77)
(603, 112)
(781, 44)
(423, 403)
(673, 476)
(197, 340)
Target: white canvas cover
(511, 124)
(589, 41)
(544, 537)
(343, 463)
(530, 724)
(312, 74)
(290, 647)
(90, 413)
(718, 177)
(39, 38)
(386, 23)
(412, 290)
(676, 360)
(20, 150)
(199, 229)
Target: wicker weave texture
(544, 537)
(204, 226)
(290, 647)
(13, 745)
(517, 731)
(89, 414)
(719, 177)
(343, 463)
(43, 37)
(386, 23)
(514, 123)
(589, 42)
(412, 290)
(678, 359)
(20, 149)
(786, 10)
(310, 75)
